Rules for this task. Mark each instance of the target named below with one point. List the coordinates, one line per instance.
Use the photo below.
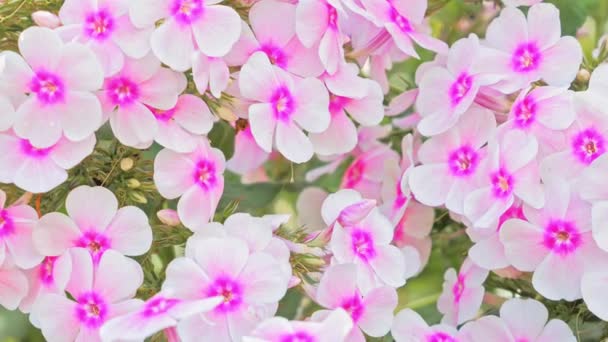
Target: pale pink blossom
(365, 243)
(365, 173)
(248, 156)
(408, 326)
(520, 320)
(318, 24)
(403, 20)
(50, 276)
(179, 127)
(273, 32)
(104, 26)
(59, 84)
(188, 26)
(97, 226)
(129, 95)
(413, 229)
(359, 97)
(451, 161)
(196, 177)
(283, 107)
(446, 93)
(509, 172)
(371, 311)
(334, 327)
(16, 225)
(36, 169)
(168, 217)
(98, 293)
(462, 293)
(524, 50)
(157, 313)
(555, 243)
(251, 284)
(13, 285)
(593, 288)
(396, 192)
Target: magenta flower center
(337, 103)
(460, 88)
(28, 149)
(332, 17)
(283, 104)
(45, 272)
(463, 161)
(230, 290)
(48, 87)
(205, 174)
(400, 198)
(354, 174)
(7, 226)
(562, 237)
(458, 288)
(400, 237)
(588, 145)
(362, 244)
(275, 54)
(162, 115)
(298, 336)
(440, 337)
(525, 112)
(515, 212)
(502, 183)
(122, 91)
(402, 23)
(95, 242)
(527, 57)
(99, 25)
(187, 11)
(91, 309)
(354, 306)
(158, 306)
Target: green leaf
(248, 196)
(222, 137)
(572, 14)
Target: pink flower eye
(460, 88)
(562, 237)
(527, 57)
(95, 242)
(48, 87)
(502, 183)
(187, 11)
(6, 224)
(230, 290)
(204, 174)
(158, 306)
(32, 151)
(99, 25)
(363, 244)
(91, 310)
(525, 112)
(354, 306)
(463, 161)
(122, 91)
(458, 288)
(282, 103)
(440, 337)
(299, 336)
(588, 145)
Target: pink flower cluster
(496, 139)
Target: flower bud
(133, 183)
(126, 164)
(168, 217)
(138, 197)
(46, 19)
(583, 76)
(354, 213)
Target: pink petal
(117, 277)
(74, 11)
(172, 43)
(76, 61)
(523, 244)
(431, 191)
(134, 42)
(489, 253)
(9, 114)
(39, 175)
(142, 69)
(39, 124)
(368, 111)
(292, 143)
(130, 231)
(555, 112)
(210, 254)
(256, 79)
(429, 43)
(161, 91)
(389, 265)
(483, 209)
(36, 39)
(60, 323)
(561, 62)
(336, 202)
(13, 287)
(557, 277)
(273, 22)
(339, 137)
(15, 71)
(338, 282)
(508, 30)
(379, 306)
(68, 154)
(330, 51)
(89, 214)
(262, 123)
(217, 32)
(346, 82)
(556, 330)
(257, 235)
(144, 13)
(134, 125)
(593, 287)
(408, 325)
(311, 21)
(173, 173)
(80, 116)
(263, 279)
(81, 278)
(172, 136)
(21, 245)
(55, 233)
(109, 56)
(197, 206)
(524, 317)
(312, 113)
(544, 25)
(185, 279)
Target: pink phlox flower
(248, 156)
(16, 225)
(409, 326)
(50, 276)
(365, 173)
(413, 230)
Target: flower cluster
(504, 135)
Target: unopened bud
(354, 213)
(46, 19)
(583, 76)
(168, 217)
(226, 114)
(133, 183)
(138, 197)
(126, 164)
